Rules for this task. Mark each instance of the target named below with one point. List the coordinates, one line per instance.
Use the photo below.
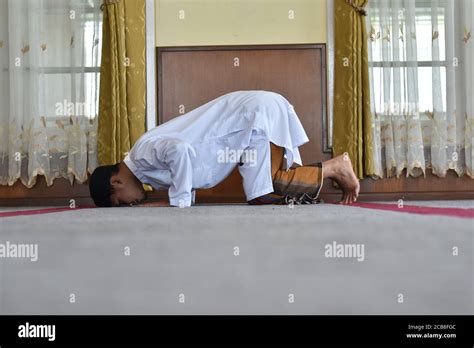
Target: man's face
(126, 192)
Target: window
(49, 58)
(72, 75)
(396, 63)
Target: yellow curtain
(122, 101)
(352, 132)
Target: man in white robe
(201, 148)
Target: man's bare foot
(340, 169)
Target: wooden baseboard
(59, 194)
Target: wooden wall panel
(192, 76)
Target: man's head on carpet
(115, 185)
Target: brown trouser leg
(298, 185)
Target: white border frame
(150, 65)
(330, 70)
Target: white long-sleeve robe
(194, 150)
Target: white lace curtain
(421, 70)
(49, 59)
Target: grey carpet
(191, 251)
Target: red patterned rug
(415, 209)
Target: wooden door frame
(321, 47)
